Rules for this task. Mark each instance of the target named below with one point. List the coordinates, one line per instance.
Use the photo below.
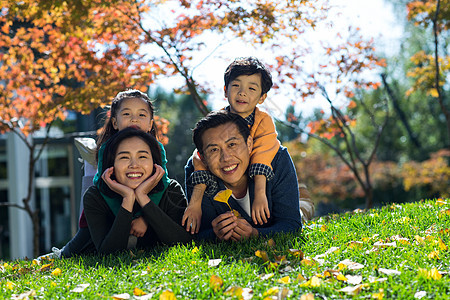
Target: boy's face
(244, 93)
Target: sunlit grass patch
(397, 251)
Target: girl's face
(133, 112)
(133, 163)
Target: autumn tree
(432, 67)
(47, 67)
(340, 78)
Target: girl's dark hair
(113, 143)
(248, 66)
(108, 129)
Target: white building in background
(56, 193)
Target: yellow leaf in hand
(215, 282)
(236, 213)
(223, 196)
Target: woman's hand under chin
(126, 192)
(148, 185)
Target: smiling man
(224, 144)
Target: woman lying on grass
(132, 172)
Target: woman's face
(133, 112)
(133, 163)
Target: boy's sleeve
(265, 145)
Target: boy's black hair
(215, 119)
(249, 66)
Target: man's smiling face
(227, 154)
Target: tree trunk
(36, 229)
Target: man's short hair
(248, 66)
(215, 119)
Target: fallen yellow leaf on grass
(285, 280)
(440, 202)
(234, 291)
(433, 255)
(300, 277)
(9, 285)
(313, 282)
(262, 254)
(297, 253)
(307, 262)
(215, 283)
(430, 274)
(46, 267)
(309, 296)
(355, 245)
(419, 239)
(271, 291)
(379, 295)
(442, 246)
(167, 295)
(271, 243)
(341, 277)
(138, 292)
(353, 290)
(124, 296)
(56, 272)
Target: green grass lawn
(396, 252)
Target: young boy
(247, 82)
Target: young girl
(130, 108)
(131, 175)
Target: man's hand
(243, 230)
(223, 225)
(138, 227)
